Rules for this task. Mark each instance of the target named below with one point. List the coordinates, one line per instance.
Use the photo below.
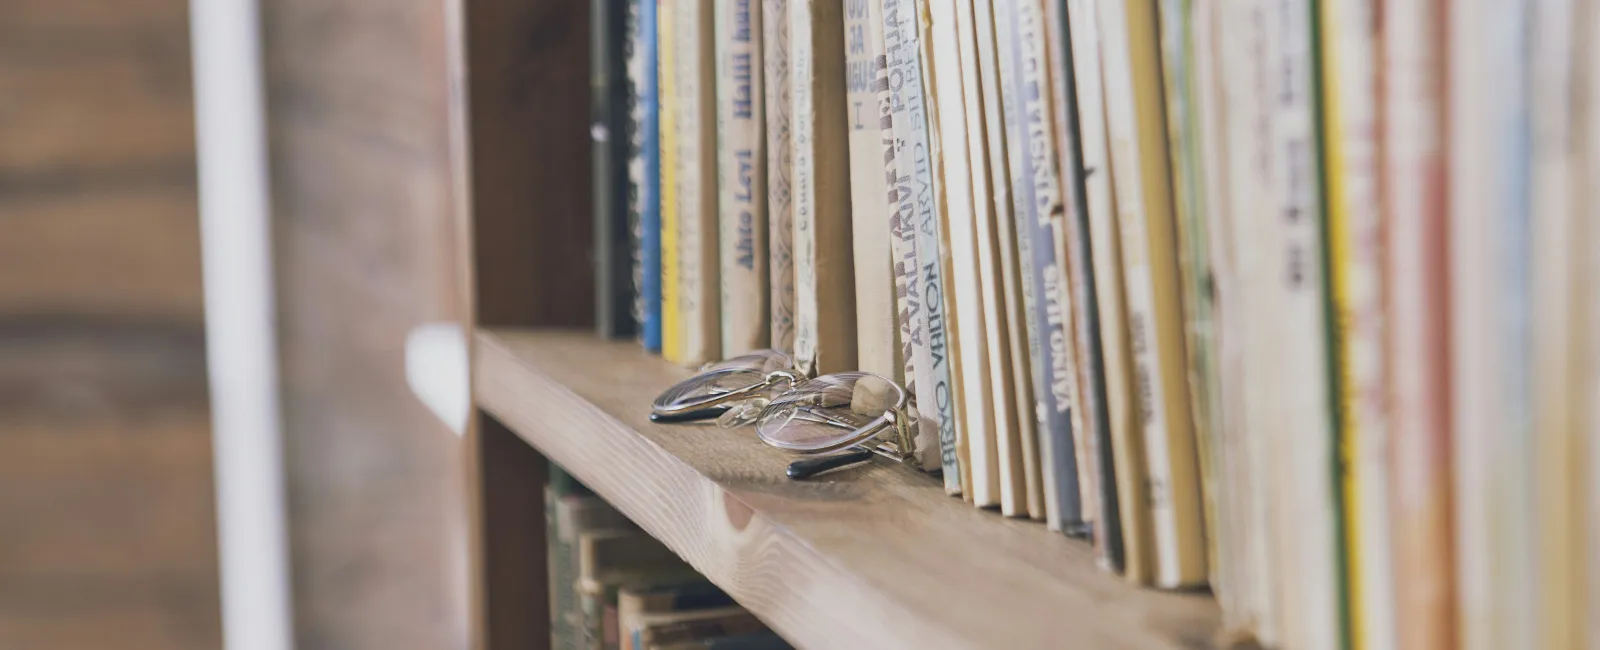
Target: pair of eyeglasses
(840, 419)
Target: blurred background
(108, 529)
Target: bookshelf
(872, 557)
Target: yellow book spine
(671, 318)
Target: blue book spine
(645, 167)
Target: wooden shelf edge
(873, 557)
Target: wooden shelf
(871, 557)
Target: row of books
(613, 587)
(1282, 297)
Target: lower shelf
(870, 557)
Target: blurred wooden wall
(106, 521)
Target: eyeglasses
(856, 414)
(742, 385)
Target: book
(825, 339)
(609, 128)
(919, 209)
(1091, 438)
(1555, 271)
(1489, 302)
(757, 641)
(780, 171)
(966, 324)
(878, 347)
(639, 604)
(741, 178)
(1415, 208)
(694, 71)
(672, 326)
(1137, 134)
(1126, 546)
(1012, 293)
(1039, 217)
(667, 628)
(644, 168)
(1349, 43)
(608, 559)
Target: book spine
(644, 169)
(919, 209)
(1120, 542)
(1136, 128)
(877, 336)
(1037, 201)
(902, 229)
(608, 132)
(698, 266)
(1555, 233)
(1091, 433)
(780, 170)
(1354, 232)
(668, 112)
(966, 325)
(825, 339)
(741, 168)
(1042, 504)
(1417, 328)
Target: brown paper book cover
(742, 172)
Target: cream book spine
(1130, 548)
(1036, 449)
(780, 171)
(968, 325)
(741, 169)
(877, 334)
(918, 193)
(1011, 457)
(698, 263)
(825, 338)
(1142, 181)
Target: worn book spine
(1011, 455)
(780, 171)
(608, 133)
(1354, 231)
(699, 301)
(1417, 325)
(644, 169)
(825, 339)
(1137, 133)
(1095, 471)
(1038, 218)
(1124, 546)
(741, 169)
(877, 332)
(671, 289)
(972, 357)
(1014, 338)
(919, 209)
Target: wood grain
(874, 557)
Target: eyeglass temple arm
(696, 415)
(809, 467)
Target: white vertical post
(240, 343)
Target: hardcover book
(825, 338)
(780, 170)
(741, 169)
(699, 300)
(919, 210)
(666, 45)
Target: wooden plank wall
(106, 508)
